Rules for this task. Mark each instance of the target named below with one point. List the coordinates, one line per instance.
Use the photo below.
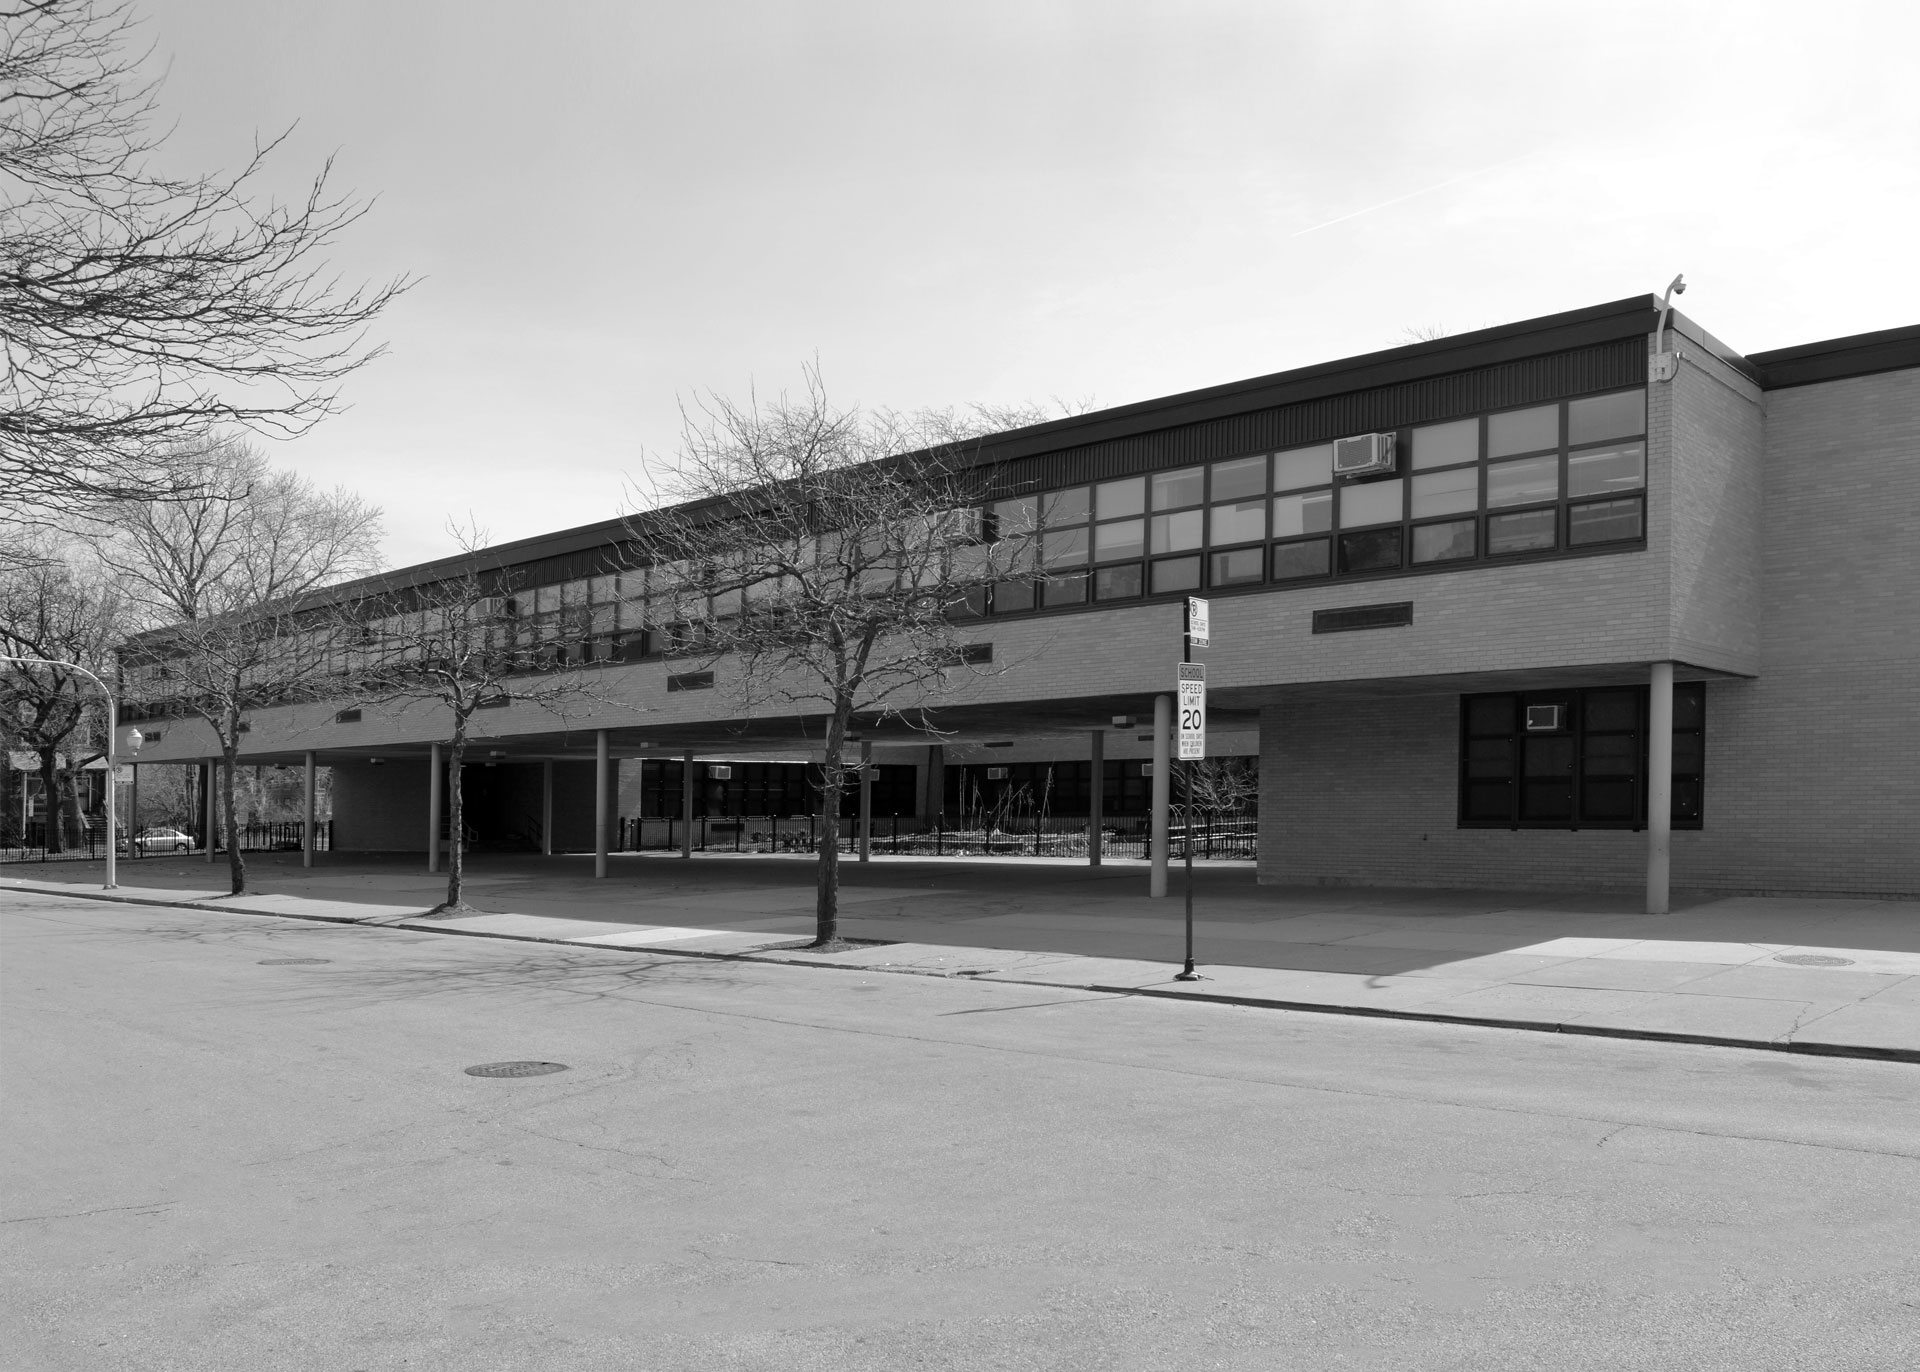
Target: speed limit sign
(1193, 711)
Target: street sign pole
(1192, 705)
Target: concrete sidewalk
(1803, 975)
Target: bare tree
(451, 643)
(1219, 785)
(232, 570)
(829, 558)
(57, 607)
(138, 308)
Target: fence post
(939, 836)
(896, 833)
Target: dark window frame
(1688, 788)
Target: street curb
(420, 925)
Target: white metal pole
(1162, 792)
(435, 781)
(307, 838)
(600, 802)
(1659, 787)
(1096, 797)
(113, 809)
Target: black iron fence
(1213, 836)
(32, 846)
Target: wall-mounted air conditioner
(996, 774)
(1363, 455)
(1546, 719)
(720, 771)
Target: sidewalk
(1807, 975)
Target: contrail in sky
(1425, 190)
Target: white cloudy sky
(613, 204)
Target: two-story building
(1581, 600)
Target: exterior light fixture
(1666, 365)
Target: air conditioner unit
(996, 774)
(1546, 719)
(1363, 455)
(719, 771)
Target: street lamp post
(113, 761)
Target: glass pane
(1122, 538)
(1687, 751)
(1689, 705)
(1607, 799)
(973, 604)
(1067, 590)
(1114, 583)
(1243, 476)
(1442, 445)
(1311, 513)
(1171, 490)
(1237, 568)
(1490, 800)
(1490, 715)
(1520, 533)
(1011, 518)
(1488, 758)
(1293, 560)
(1600, 417)
(1372, 551)
(1176, 533)
(1438, 493)
(1524, 482)
(1444, 542)
(1376, 502)
(1523, 431)
(1686, 799)
(1116, 498)
(1244, 521)
(1303, 467)
(1546, 799)
(1012, 595)
(1176, 574)
(1604, 521)
(1069, 506)
(1611, 755)
(1612, 712)
(1607, 471)
(1063, 548)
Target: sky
(613, 206)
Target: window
(1587, 771)
(1543, 481)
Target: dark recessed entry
(1391, 616)
(691, 681)
(494, 703)
(347, 717)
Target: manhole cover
(1813, 960)
(516, 1069)
(292, 962)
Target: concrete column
(1097, 797)
(306, 833)
(546, 807)
(600, 769)
(436, 779)
(208, 807)
(1162, 791)
(686, 806)
(866, 800)
(1659, 786)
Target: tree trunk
(50, 835)
(236, 864)
(74, 804)
(827, 892)
(456, 819)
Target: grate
(515, 1069)
(1813, 960)
(292, 962)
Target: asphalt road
(216, 1162)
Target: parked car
(151, 839)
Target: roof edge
(1839, 359)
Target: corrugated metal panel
(1606, 366)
